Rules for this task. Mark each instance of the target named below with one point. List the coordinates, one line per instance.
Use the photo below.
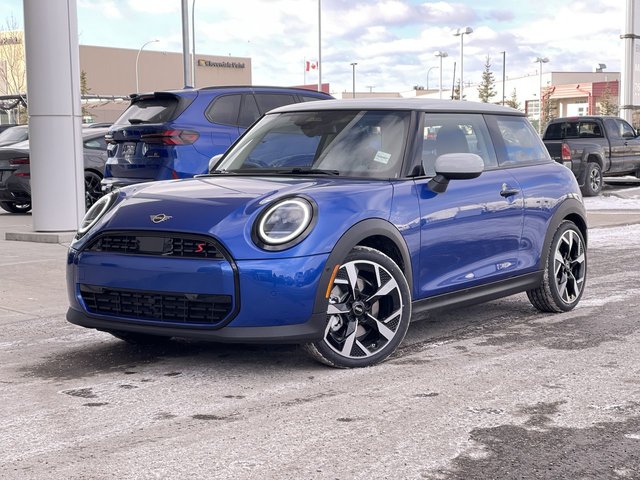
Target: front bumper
(272, 301)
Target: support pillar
(55, 114)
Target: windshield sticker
(382, 157)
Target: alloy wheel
(365, 310)
(569, 266)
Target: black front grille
(166, 245)
(160, 307)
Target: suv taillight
(171, 137)
(566, 155)
(15, 162)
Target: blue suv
(330, 224)
(173, 134)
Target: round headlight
(96, 212)
(281, 224)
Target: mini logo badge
(160, 217)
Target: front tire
(565, 271)
(368, 313)
(593, 183)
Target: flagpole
(304, 71)
(319, 45)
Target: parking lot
(492, 391)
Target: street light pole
(504, 69)
(540, 61)
(441, 55)
(138, 58)
(353, 65)
(460, 33)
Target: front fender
(356, 235)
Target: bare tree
(13, 79)
(12, 59)
(606, 104)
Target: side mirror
(214, 160)
(455, 166)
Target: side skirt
(484, 293)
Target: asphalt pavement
(495, 391)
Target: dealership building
(110, 75)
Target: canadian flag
(311, 65)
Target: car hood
(227, 206)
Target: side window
(612, 128)
(224, 110)
(454, 133)
(96, 144)
(249, 112)
(306, 98)
(521, 144)
(626, 131)
(589, 129)
(269, 101)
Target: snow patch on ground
(631, 201)
(628, 235)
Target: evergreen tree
(486, 89)
(513, 101)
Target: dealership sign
(211, 63)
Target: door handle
(508, 191)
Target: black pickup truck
(593, 147)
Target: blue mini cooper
(329, 224)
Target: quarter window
(224, 110)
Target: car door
(632, 145)
(470, 234)
(618, 145)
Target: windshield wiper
(312, 171)
(136, 121)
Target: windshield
(352, 143)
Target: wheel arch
(374, 233)
(572, 210)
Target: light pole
(504, 69)
(540, 60)
(441, 55)
(353, 66)
(138, 58)
(460, 33)
(428, 72)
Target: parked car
(15, 172)
(168, 135)
(593, 147)
(330, 223)
(4, 126)
(15, 134)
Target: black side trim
(312, 330)
(569, 207)
(352, 237)
(483, 293)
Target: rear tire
(593, 182)
(92, 187)
(565, 272)
(368, 313)
(16, 207)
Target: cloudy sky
(392, 41)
